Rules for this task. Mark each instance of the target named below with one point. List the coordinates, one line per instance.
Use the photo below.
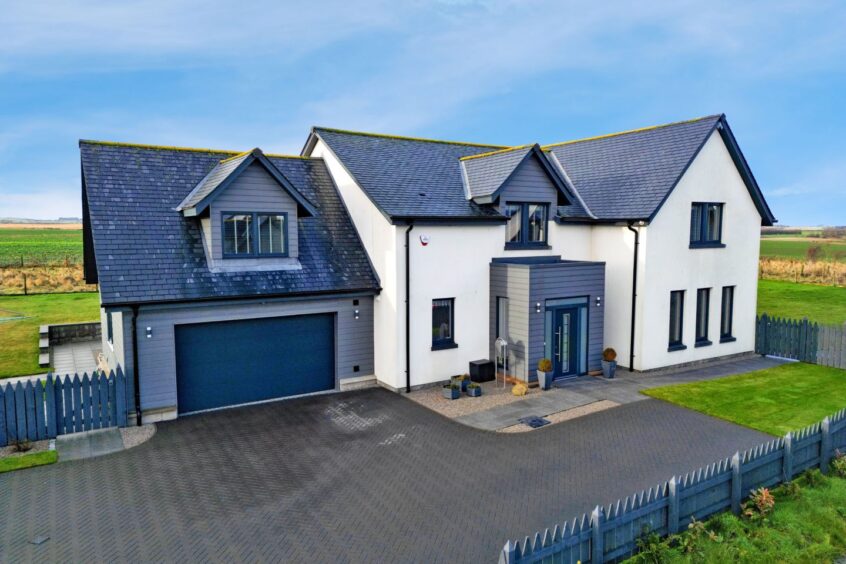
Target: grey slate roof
(213, 179)
(485, 174)
(146, 251)
(627, 176)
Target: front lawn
(19, 337)
(808, 524)
(10, 463)
(822, 304)
(775, 400)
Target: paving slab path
(355, 477)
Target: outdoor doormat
(533, 421)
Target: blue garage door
(235, 362)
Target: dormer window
(527, 224)
(248, 235)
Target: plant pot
(462, 382)
(544, 379)
(451, 393)
(474, 392)
(609, 367)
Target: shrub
(473, 385)
(609, 355)
(838, 464)
(22, 446)
(813, 477)
(761, 503)
(545, 365)
(813, 253)
(792, 490)
(650, 548)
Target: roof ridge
(406, 138)
(497, 152)
(629, 131)
(232, 154)
(233, 157)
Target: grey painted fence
(59, 405)
(801, 340)
(610, 533)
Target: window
(703, 298)
(527, 224)
(706, 225)
(255, 234)
(676, 320)
(443, 324)
(727, 315)
(110, 330)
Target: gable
(530, 182)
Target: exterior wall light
(537, 307)
(356, 314)
(598, 301)
(149, 332)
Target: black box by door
(482, 370)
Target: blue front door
(565, 341)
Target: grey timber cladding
(254, 190)
(148, 252)
(157, 355)
(530, 183)
(507, 281)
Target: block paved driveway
(357, 477)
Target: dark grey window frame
(702, 337)
(110, 329)
(255, 252)
(524, 243)
(727, 336)
(441, 344)
(702, 228)
(677, 344)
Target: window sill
(727, 339)
(444, 346)
(702, 344)
(679, 347)
(526, 246)
(255, 256)
(707, 245)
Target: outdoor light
(598, 301)
(355, 313)
(149, 332)
(537, 307)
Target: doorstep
(544, 403)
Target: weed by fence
(610, 533)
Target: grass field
(797, 248)
(822, 304)
(40, 246)
(19, 337)
(775, 401)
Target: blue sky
(223, 75)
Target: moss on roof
(627, 132)
(498, 152)
(232, 154)
(405, 138)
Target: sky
(203, 73)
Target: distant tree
(813, 253)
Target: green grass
(775, 401)
(806, 527)
(798, 248)
(823, 304)
(40, 246)
(19, 338)
(28, 460)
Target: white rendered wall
(384, 245)
(672, 265)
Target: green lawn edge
(775, 401)
(13, 463)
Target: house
(645, 241)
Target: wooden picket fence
(611, 533)
(801, 340)
(59, 405)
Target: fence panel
(611, 533)
(801, 340)
(60, 405)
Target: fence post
(673, 506)
(736, 484)
(2, 418)
(25, 291)
(597, 551)
(825, 445)
(787, 467)
(50, 401)
(508, 554)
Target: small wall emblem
(424, 240)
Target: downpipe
(634, 296)
(408, 308)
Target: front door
(565, 345)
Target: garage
(235, 362)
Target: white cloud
(828, 178)
(48, 201)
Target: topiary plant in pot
(544, 373)
(609, 362)
(474, 390)
(462, 380)
(452, 391)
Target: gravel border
(134, 436)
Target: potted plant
(474, 390)
(462, 380)
(544, 373)
(609, 362)
(452, 391)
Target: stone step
(43, 345)
(44, 331)
(44, 359)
